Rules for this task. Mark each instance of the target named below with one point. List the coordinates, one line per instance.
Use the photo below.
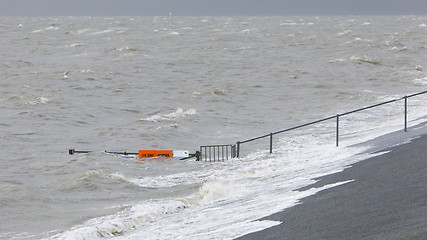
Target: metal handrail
(217, 152)
(329, 118)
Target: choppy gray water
(159, 83)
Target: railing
(337, 117)
(217, 152)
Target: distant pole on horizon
(170, 15)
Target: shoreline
(385, 200)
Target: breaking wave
(179, 113)
(39, 100)
(139, 214)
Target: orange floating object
(147, 153)
(155, 153)
(164, 153)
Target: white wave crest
(365, 59)
(102, 32)
(39, 100)
(420, 81)
(145, 212)
(170, 116)
(340, 34)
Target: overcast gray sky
(210, 7)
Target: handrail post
(271, 142)
(238, 149)
(337, 136)
(406, 113)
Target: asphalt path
(386, 200)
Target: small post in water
(338, 122)
(406, 113)
(271, 142)
(238, 149)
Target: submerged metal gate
(217, 152)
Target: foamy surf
(232, 195)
